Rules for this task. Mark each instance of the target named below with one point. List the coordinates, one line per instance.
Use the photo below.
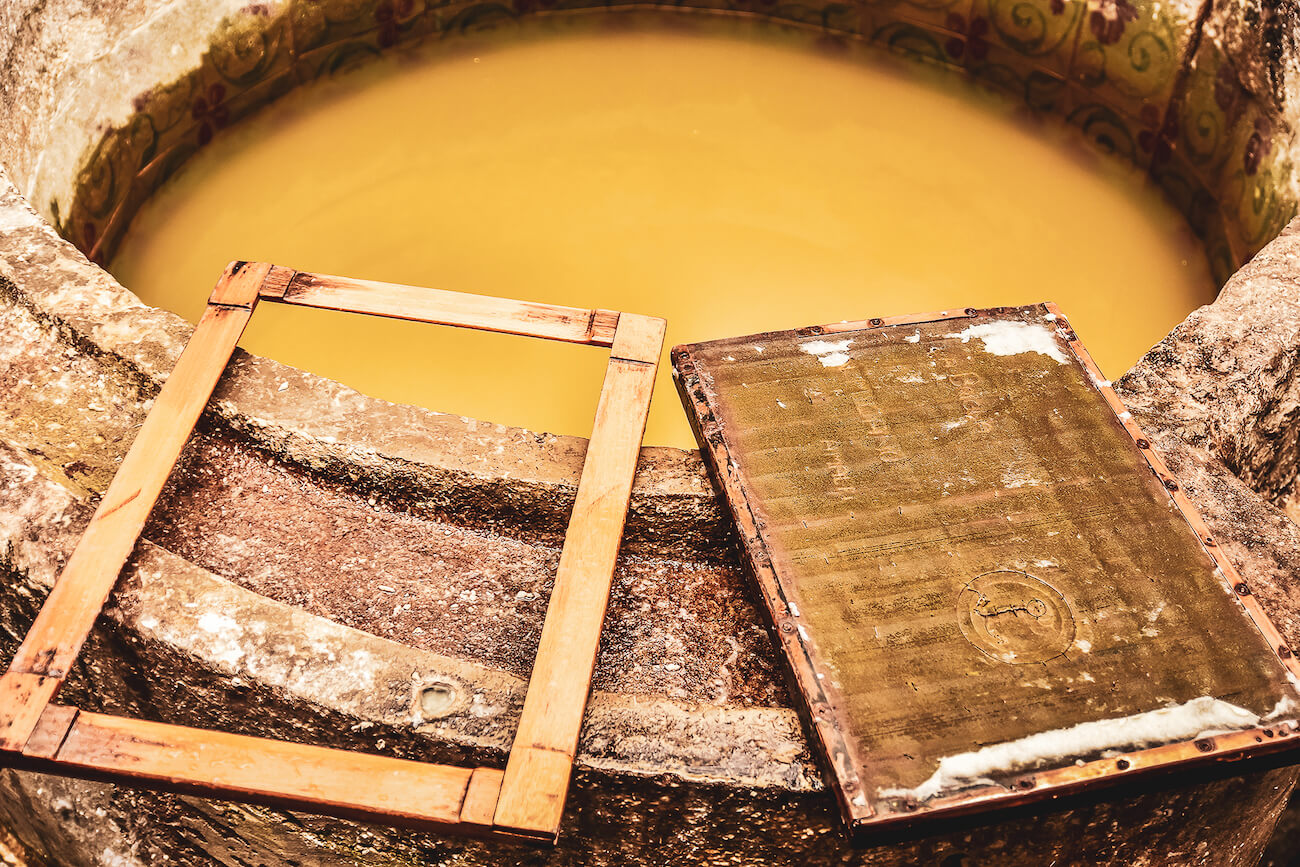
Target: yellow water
(730, 186)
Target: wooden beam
(55, 722)
(442, 307)
(69, 612)
(537, 774)
(481, 797)
(23, 698)
(287, 775)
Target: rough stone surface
(1228, 378)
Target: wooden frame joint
(523, 802)
(276, 283)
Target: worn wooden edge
(1233, 752)
(239, 285)
(638, 338)
(807, 692)
(39, 735)
(540, 764)
(481, 797)
(325, 780)
(533, 793)
(51, 731)
(68, 613)
(594, 327)
(857, 325)
(862, 818)
(23, 699)
(1232, 578)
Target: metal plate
(986, 586)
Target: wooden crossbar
(526, 800)
(438, 306)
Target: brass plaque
(987, 587)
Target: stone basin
(333, 569)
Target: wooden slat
(537, 774)
(240, 284)
(23, 697)
(481, 797)
(441, 307)
(55, 722)
(69, 612)
(293, 776)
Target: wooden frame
(526, 800)
(820, 703)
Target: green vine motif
(1043, 92)
(245, 50)
(169, 105)
(1001, 76)
(1105, 129)
(1025, 27)
(1202, 136)
(831, 16)
(1260, 211)
(1151, 56)
(931, 5)
(317, 23)
(97, 182)
(348, 55)
(105, 181)
(911, 42)
(479, 18)
(345, 11)
(1222, 264)
(1090, 63)
(1190, 198)
(106, 178)
(1038, 90)
(1150, 69)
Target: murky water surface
(729, 185)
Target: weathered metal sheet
(987, 587)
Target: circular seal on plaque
(1014, 617)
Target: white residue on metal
(1200, 716)
(1286, 706)
(1013, 338)
(794, 609)
(831, 353)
